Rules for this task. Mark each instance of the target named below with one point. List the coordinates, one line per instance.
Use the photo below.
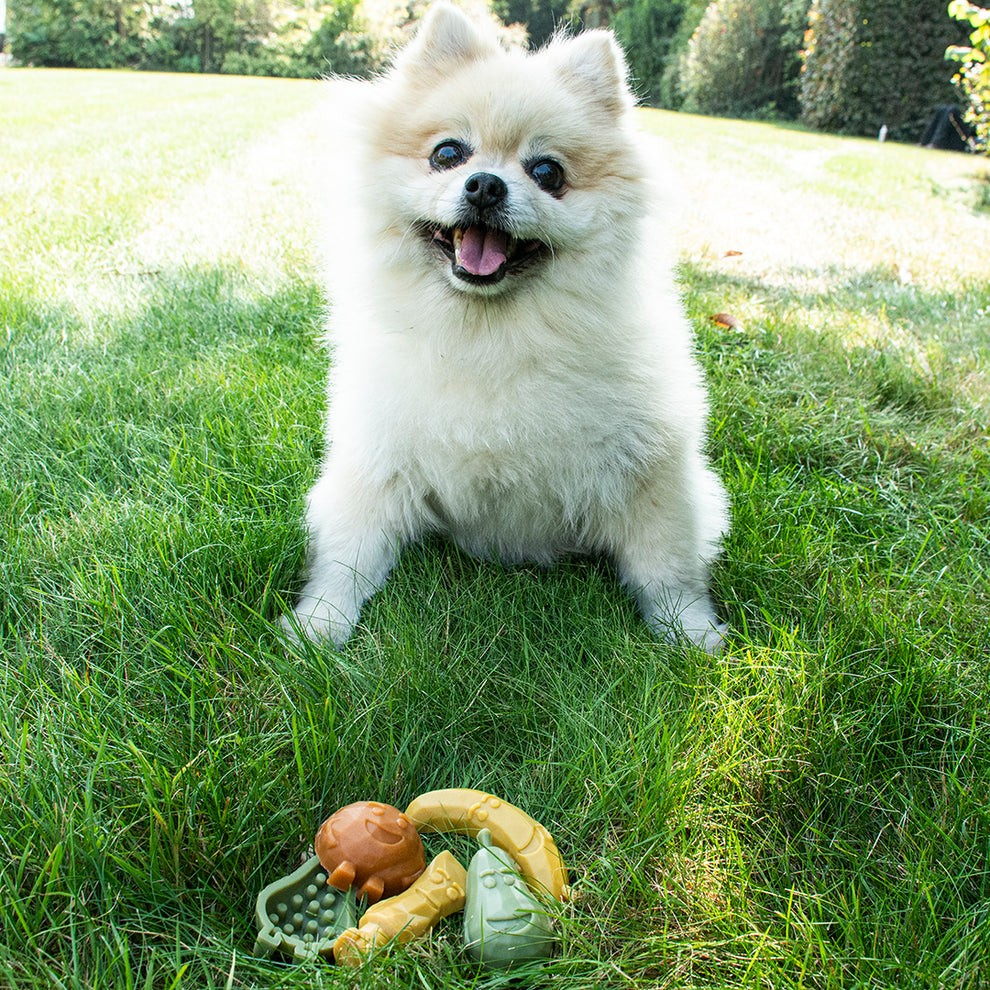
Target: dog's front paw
(711, 639)
(708, 636)
(695, 622)
(316, 621)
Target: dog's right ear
(447, 37)
(594, 61)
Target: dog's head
(491, 167)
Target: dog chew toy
(439, 892)
(503, 922)
(371, 847)
(528, 843)
(374, 852)
(301, 915)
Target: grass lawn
(808, 810)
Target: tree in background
(339, 44)
(973, 76)
(743, 59)
(652, 33)
(256, 37)
(870, 63)
(646, 29)
(91, 34)
(218, 27)
(671, 94)
(592, 13)
(541, 18)
(304, 38)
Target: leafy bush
(973, 77)
(343, 52)
(873, 62)
(335, 46)
(743, 59)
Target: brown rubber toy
(372, 847)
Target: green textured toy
(301, 915)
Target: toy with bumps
(301, 915)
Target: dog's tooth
(457, 238)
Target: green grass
(808, 810)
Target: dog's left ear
(594, 60)
(446, 38)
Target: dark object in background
(948, 130)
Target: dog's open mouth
(484, 255)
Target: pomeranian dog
(511, 363)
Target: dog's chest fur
(513, 451)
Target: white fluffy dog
(511, 364)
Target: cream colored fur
(557, 411)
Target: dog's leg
(662, 548)
(354, 543)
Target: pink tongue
(483, 250)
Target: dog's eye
(547, 174)
(449, 154)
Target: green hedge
(875, 62)
(743, 59)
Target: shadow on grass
(153, 461)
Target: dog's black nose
(483, 190)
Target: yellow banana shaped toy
(467, 811)
(438, 893)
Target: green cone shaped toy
(504, 923)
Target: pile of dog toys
(373, 852)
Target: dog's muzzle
(481, 249)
